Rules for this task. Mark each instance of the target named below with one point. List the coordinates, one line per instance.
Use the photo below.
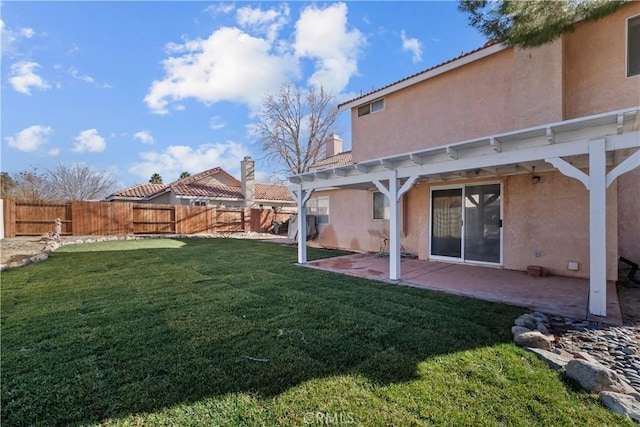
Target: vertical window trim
(628, 48)
(385, 207)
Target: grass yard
(225, 332)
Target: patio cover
(567, 146)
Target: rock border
(532, 332)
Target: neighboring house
(213, 187)
(503, 157)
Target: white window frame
(200, 203)
(371, 107)
(312, 206)
(385, 207)
(626, 43)
(462, 236)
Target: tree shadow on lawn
(173, 326)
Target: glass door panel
(482, 223)
(446, 222)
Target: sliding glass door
(466, 223)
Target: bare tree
(293, 127)
(79, 182)
(31, 185)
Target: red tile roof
(339, 159)
(139, 191)
(191, 187)
(272, 192)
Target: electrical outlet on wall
(572, 265)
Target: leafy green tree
(155, 179)
(529, 23)
(184, 174)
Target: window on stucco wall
(633, 46)
(371, 107)
(319, 206)
(380, 206)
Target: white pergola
(594, 143)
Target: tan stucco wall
(595, 66)
(551, 217)
(629, 215)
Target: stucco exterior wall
(551, 217)
(595, 66)
(629, 215)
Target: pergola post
(394, 194)
(597, 228)
(301, 197)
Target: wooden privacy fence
(37, 217)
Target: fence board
(81, 218)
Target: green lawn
(230, 332)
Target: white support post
(301, 197)
(394, 228)
(597, 228)
(394, 194)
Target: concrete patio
(556, 295)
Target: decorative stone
(542, 329)
(526, 320)
(532, 339)
(519, 329)
(621, 404)
(555, 361)
(596, 377)
(584, 356)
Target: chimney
(333, 145)
(248, 181)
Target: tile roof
(209, 191)
(462, 55)
(192, 187)
(339, 159)
(139, 191)
(272, 192)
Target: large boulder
(532, 339)
(526, 320)
(596, 377)
(621, 404)
(554, 360)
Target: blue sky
(134, 88)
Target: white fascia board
(424, 76)
(225, 199)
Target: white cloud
(412, 45)
(322, 34)
(144, 136)
(23, 77)
(85, 78)
(9, 37)
(176, 159)
(54, 152)
(30, 139)
(89, 141)
(220, 8)
(230, 65)
(268, 22)
(216, 123)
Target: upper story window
(633, 46)
(319, 206)
(199, 203)
(380, 206)
(371, 107)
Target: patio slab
(555, 295)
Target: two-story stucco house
(503, 156)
